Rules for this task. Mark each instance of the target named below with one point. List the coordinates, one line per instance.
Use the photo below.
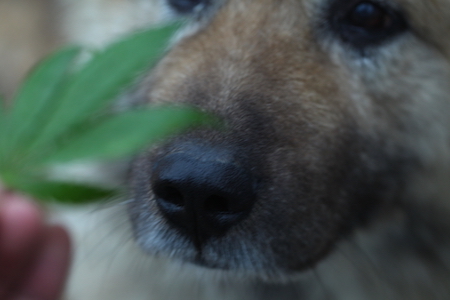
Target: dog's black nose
(202, 191)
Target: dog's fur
(351, 146)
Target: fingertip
(47, 277)
(21, 223)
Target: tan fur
(321, 110)
(247, 59)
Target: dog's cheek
(313, 203)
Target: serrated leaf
(36, 99)
(127, 133)
(45, 120)
(104, 77)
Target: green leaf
(66, 192)
(104, 77)
(127, 133)
(55, 118)
(36, 99)
(60, 191)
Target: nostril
(216, 204)
(169, 194)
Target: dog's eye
(369, 16)
(367, 23)
(185, 6)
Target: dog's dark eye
(185, 6)
(366, 23)
(369, 16)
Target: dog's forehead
(244, 44)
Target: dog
(335, 156)
(329, 177)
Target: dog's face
(331, 108)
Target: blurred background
(30, 29)
(27, 32)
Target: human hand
(34, 256)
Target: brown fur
(348, 146)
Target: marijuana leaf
(58, 116)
